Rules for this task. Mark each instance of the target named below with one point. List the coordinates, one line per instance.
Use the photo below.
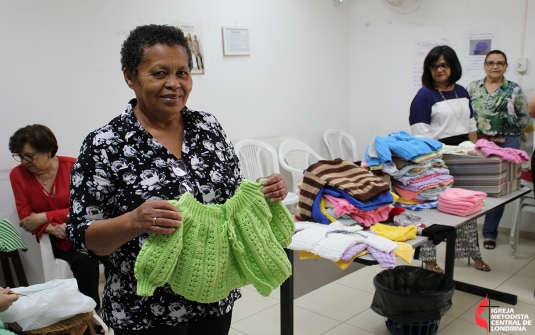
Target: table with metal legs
(458, 221)
(287, 288)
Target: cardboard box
(490, 175)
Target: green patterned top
(502, 113)
(10, 238)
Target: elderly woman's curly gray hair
(133, 49)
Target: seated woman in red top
(41, 188)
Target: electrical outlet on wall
(522, 64)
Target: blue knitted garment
(403, 145)
(380, 200)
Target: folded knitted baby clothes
(419, 207)
(318, 215)
(461, 202)
(402, 144)
(385, 259)
(398, 234)
(344, 175)
(489, 148)
(424, 184)
(331, 241)
(353, 250)
(307, 238)
(367, 218)
(219, 248)
(404, 251)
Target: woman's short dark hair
(450, 56)
(496, 52)
(133, 49)
(40, 137)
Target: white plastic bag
(47, 303)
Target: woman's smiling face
(163, 82)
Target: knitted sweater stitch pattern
(219, 248)
(344, 175)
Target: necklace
(42, 182)
(443, 97)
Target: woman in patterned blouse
(156, 150)
(500, 108)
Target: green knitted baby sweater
(219, 248)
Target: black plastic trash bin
(412, 299)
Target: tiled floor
(342, 307)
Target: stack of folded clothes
(418, 174)
(338, 190)
(461, 202)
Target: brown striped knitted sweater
(344, 175)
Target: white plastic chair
(295, 157)
(524, 204)
(53, 268)
(252, 154)
(341, 145)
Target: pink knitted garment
(368, 218)
(410, 195)
(460, 202)
(489, 148)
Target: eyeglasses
(499, 64)
(443, 66)
(27, 158)
(181, 171)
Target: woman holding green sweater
(155, 151)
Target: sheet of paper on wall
(477, 43)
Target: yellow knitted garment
(219, 248)
(405, 252)
(426, 157)
(324, 211)
(399, 234)
(395, 196)
(408, 202)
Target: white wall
(60, 67)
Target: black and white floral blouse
(121, 166)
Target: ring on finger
(154, 221)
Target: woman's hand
(275, 187)
(6, 299)
(33, 221)
(58, 231)
(156, 217)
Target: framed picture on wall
(236, 41)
